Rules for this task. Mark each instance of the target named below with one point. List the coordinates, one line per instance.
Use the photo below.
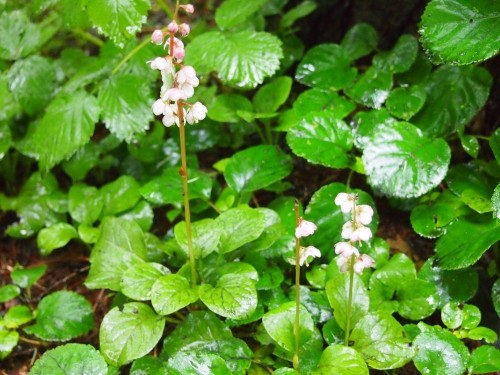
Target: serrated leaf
(32, 82)
(322, 139)
(372, 88)
(454, 96)
(55, 237)
(18, 36)
(237, 62)
(129, 332)
(257, 167)
(70, 359)
(66, 126)
(138, 280)
(171, 293)
(233, 12)
(341, 360)
(459, 32)
(234, 296)
(401, 162)
(72, 15)
(484, 360)
(118, 19)
(205, 235)
(405, 102)
(360, 40)
(440, 352)
(120, 246)
(62, 316)
(272, 95)
(125, 102)
(327, 66)
(400, 58)
(465, 241)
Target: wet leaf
(26, 277)
(400, 58)
(18, 36)
(360, 40)
(84, 203)
(484, 360)
(272, 95)
(17, 315)
(119, 195)
(317, 100)
(225, 107)
(205, 235)
(405, 102)
(341, 360)
(8, 342)
(148, 365)
(233, 12)
(55, 237)
(471, 316)
(372, 88)
(495, 296)
(138, 280)
(417, 299)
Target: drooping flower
(355, 232)
(346, 249)
(157, 37)
(364, 214)
(196, 113)
(158, 107)
(172, 27)
(187, 75)
(343, 263)
(189, 8)
(305, 228)
(309, 251)
(362, 262)
(184, 29)
(159, 63)
(346, 201)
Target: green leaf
(55, 237)
(234, 296)
(272, 95)
(300, 11)
(454, 96)
(279, 324)
(367, 124)
(405, 102)
(381, 341)
(465, 241)
(171, 293)
(393, 274)
(484, 360)
(8, 342)
(138, 280)
(452, 316)
(418, 299)
(118, 19)
(189, 363)
(5, 138)
(26, 277)
(316, 100)
(341, 360)
(257, 167)
(327, 66)
(483, 333)
(70, 359)
(494, 143)
(16, 316)
(233, 12)
(119, 195)
(400, 58)
(62, 316)
(459, 32)
(470, 144)
(54, 140)
(9, 292)
(129, 333)
(495, 202)
(495, 296)
(120, 246)
(237, 62)
(440, 352)
(32, 82)
(372, 88)
(205, 235)
(225, 107)
(449, 283)
(337, 291)
(401, 162)
(125, 101)
(239, 226)
(322, 139)
(360, 40)
(18, 36)
(84, 203)
(472, 316)
(148, 365)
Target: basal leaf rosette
(403, 163)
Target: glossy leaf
(337, 291)
(234, 296)
(62, 316)
(237, 62)
(483, 333)
(451, 315)
(459, 32)
(148, 365)
(405, 102)
(120, 245)
(470, 144)
(454, 96)
(119, 195)
(301, 10)
(400, 58)
(17, 315)
(393, 274)
(367, 124)
(402, 162)
(322, 139)
(272, 95)
(257, 167)
(5, 138)
(189, 363)
(360, 40)
(26, 277)
(53, 139)
(9, 292)
(18, 36)
(381, 341)
(8, 342)
(84, 203)
(279, 325)
(171, 293)
(417, 299)
(484, 360)
(118, 19)
(70, 359)
(471, 316)
(341, 360)
(55, 237)
(494, 143)
(495, 202)
(372, 88)
(440, 352)
(138, 280)
(233, 12)
(326, 66)
(317, 100)
(225, 107)
(465, 241)
(129, 332)
(205, 237)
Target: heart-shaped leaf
(404, 102)
(372, 88)
(138, 280)
(317, 100)
(341, 360)
(171, 293)
(205, 235)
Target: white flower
(305, 228)
(343, 263)
(168, 120)
(158, 107)
(345, 201)
(355, 232)
(309, 251)
(173, 94)
(187, 90)
(364, 214)
(364, 261)
(187, 75)
(159, 63)
(346, 249)
(196, 113)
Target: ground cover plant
(249, 187)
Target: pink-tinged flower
(364, 214)
(188, 8)
(305, 228)
(157, 37)
(343, 263)
(158, 107)
(179, 53)
(346, 249)
(187, 75)
(173, 27)
(173, 94)
(159, 63)
(196, 113)
(168, 121)
(364, 261)
(356, 232)
(184, 29)
(309, 251)
(345, 201)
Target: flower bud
(157, 37)
(172, 27)
(184, 29)
(188, 8)
(179, 53)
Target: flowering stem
(184, 174)
(296, 330)
(349, 301)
